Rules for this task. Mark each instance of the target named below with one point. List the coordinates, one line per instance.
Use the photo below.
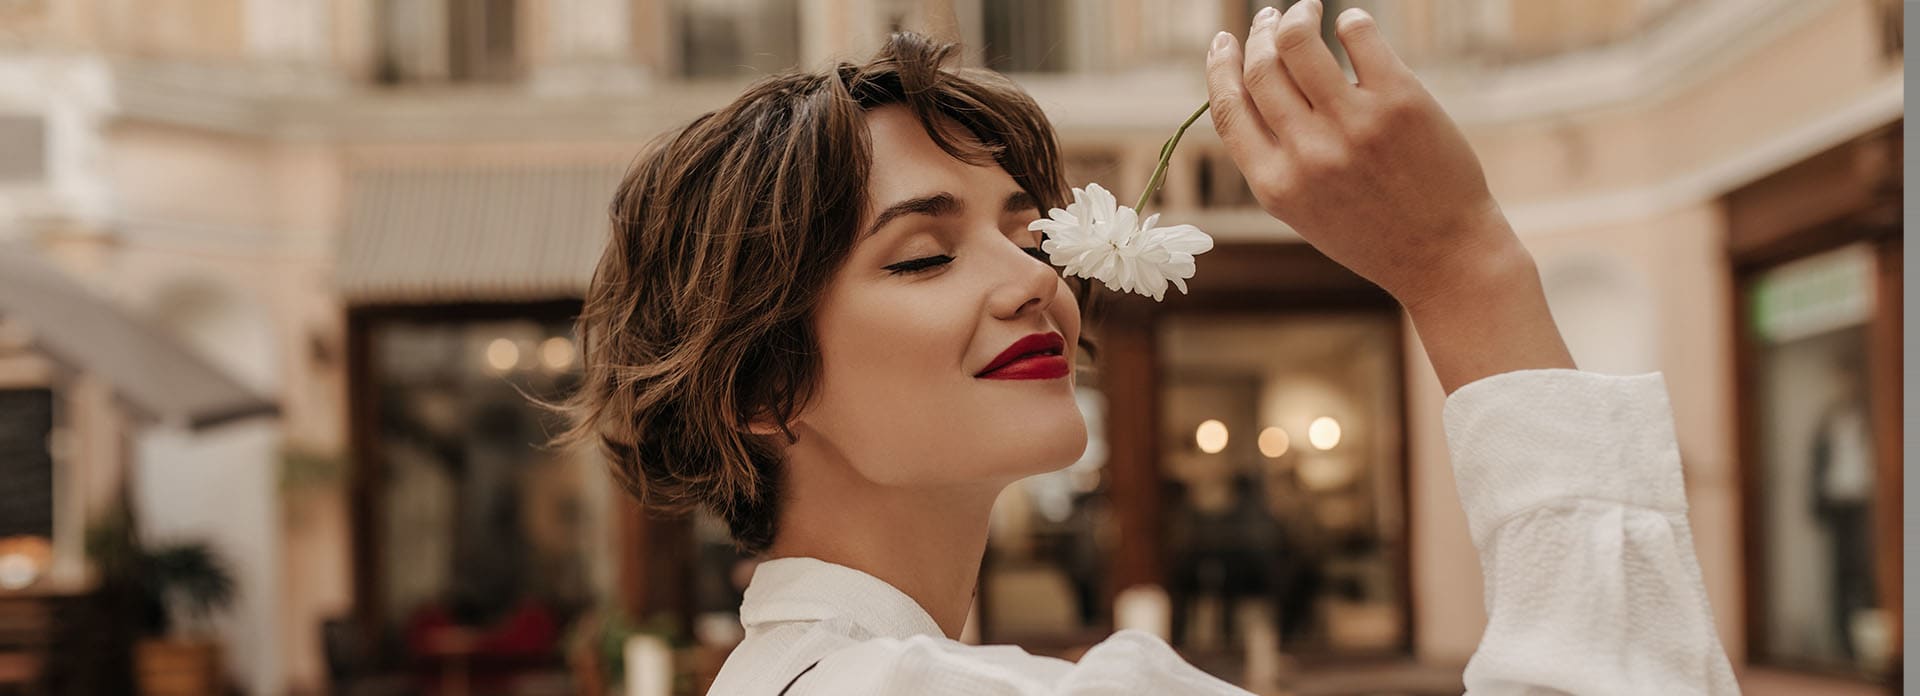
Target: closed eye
(925, 263)
(920, 264)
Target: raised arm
(1377, 177)
(1571, 481)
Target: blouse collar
(809, 589)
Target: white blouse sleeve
(1572, 488)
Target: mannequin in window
(1842, 483)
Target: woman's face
(943, 280)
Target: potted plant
(175, 589)
(597, 650)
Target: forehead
(907, 163)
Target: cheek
(896, 398)
(884, 356)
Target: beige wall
(192, 29)
(1698, 118)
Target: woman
(804, 319)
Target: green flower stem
(1166, 157)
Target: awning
(148, 369)
(422, 235)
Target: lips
(1041, 350)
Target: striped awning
(425, 235)
(147, 368)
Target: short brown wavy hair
(725, 236)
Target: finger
(1307, 59)
(1374, 62)
(1235, 117)
(1266, 80)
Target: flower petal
(1096, 238)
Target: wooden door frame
(1241, 278)
(1850, 194)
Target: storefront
(477, 549)
(1816, 255)
(1247, 465)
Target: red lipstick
(1037, 356)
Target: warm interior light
(1211, 436)
(1274, 442)
(502, 355)
(23, 560)
(1323, 473)
(17, 570)
(1324, 434)
(557, 353)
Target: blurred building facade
(383, 213)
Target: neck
(927, 543)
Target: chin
(1004, 447)
(1058, 447)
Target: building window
(733, 38)
(26, 463)
(1282, 469)
(1810, 325)
(483, 41)
(1025, 36)
(478, 531)
(424, 41)
(1221, 184)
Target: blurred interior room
(280, 281)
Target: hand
(1374, 175)
(1378, 178)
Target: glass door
(1283, 471)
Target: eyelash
(927, 262)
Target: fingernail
(1220, 41)
(1266, 15)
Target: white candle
(1144, 607)
(649, 666)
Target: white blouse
(1572, 489)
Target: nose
(1028, 286)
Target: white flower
(1096, 237)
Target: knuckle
(1225, 115)
(1367, 128)
(1271, 185)
(1258, 78)
(1295, 36)
(1325, 157)
(1226, 125)
(1396, 109)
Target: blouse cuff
(1521, 440)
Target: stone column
(582, 46)
(291, 43)
(847, 29)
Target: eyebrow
(942, 204)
